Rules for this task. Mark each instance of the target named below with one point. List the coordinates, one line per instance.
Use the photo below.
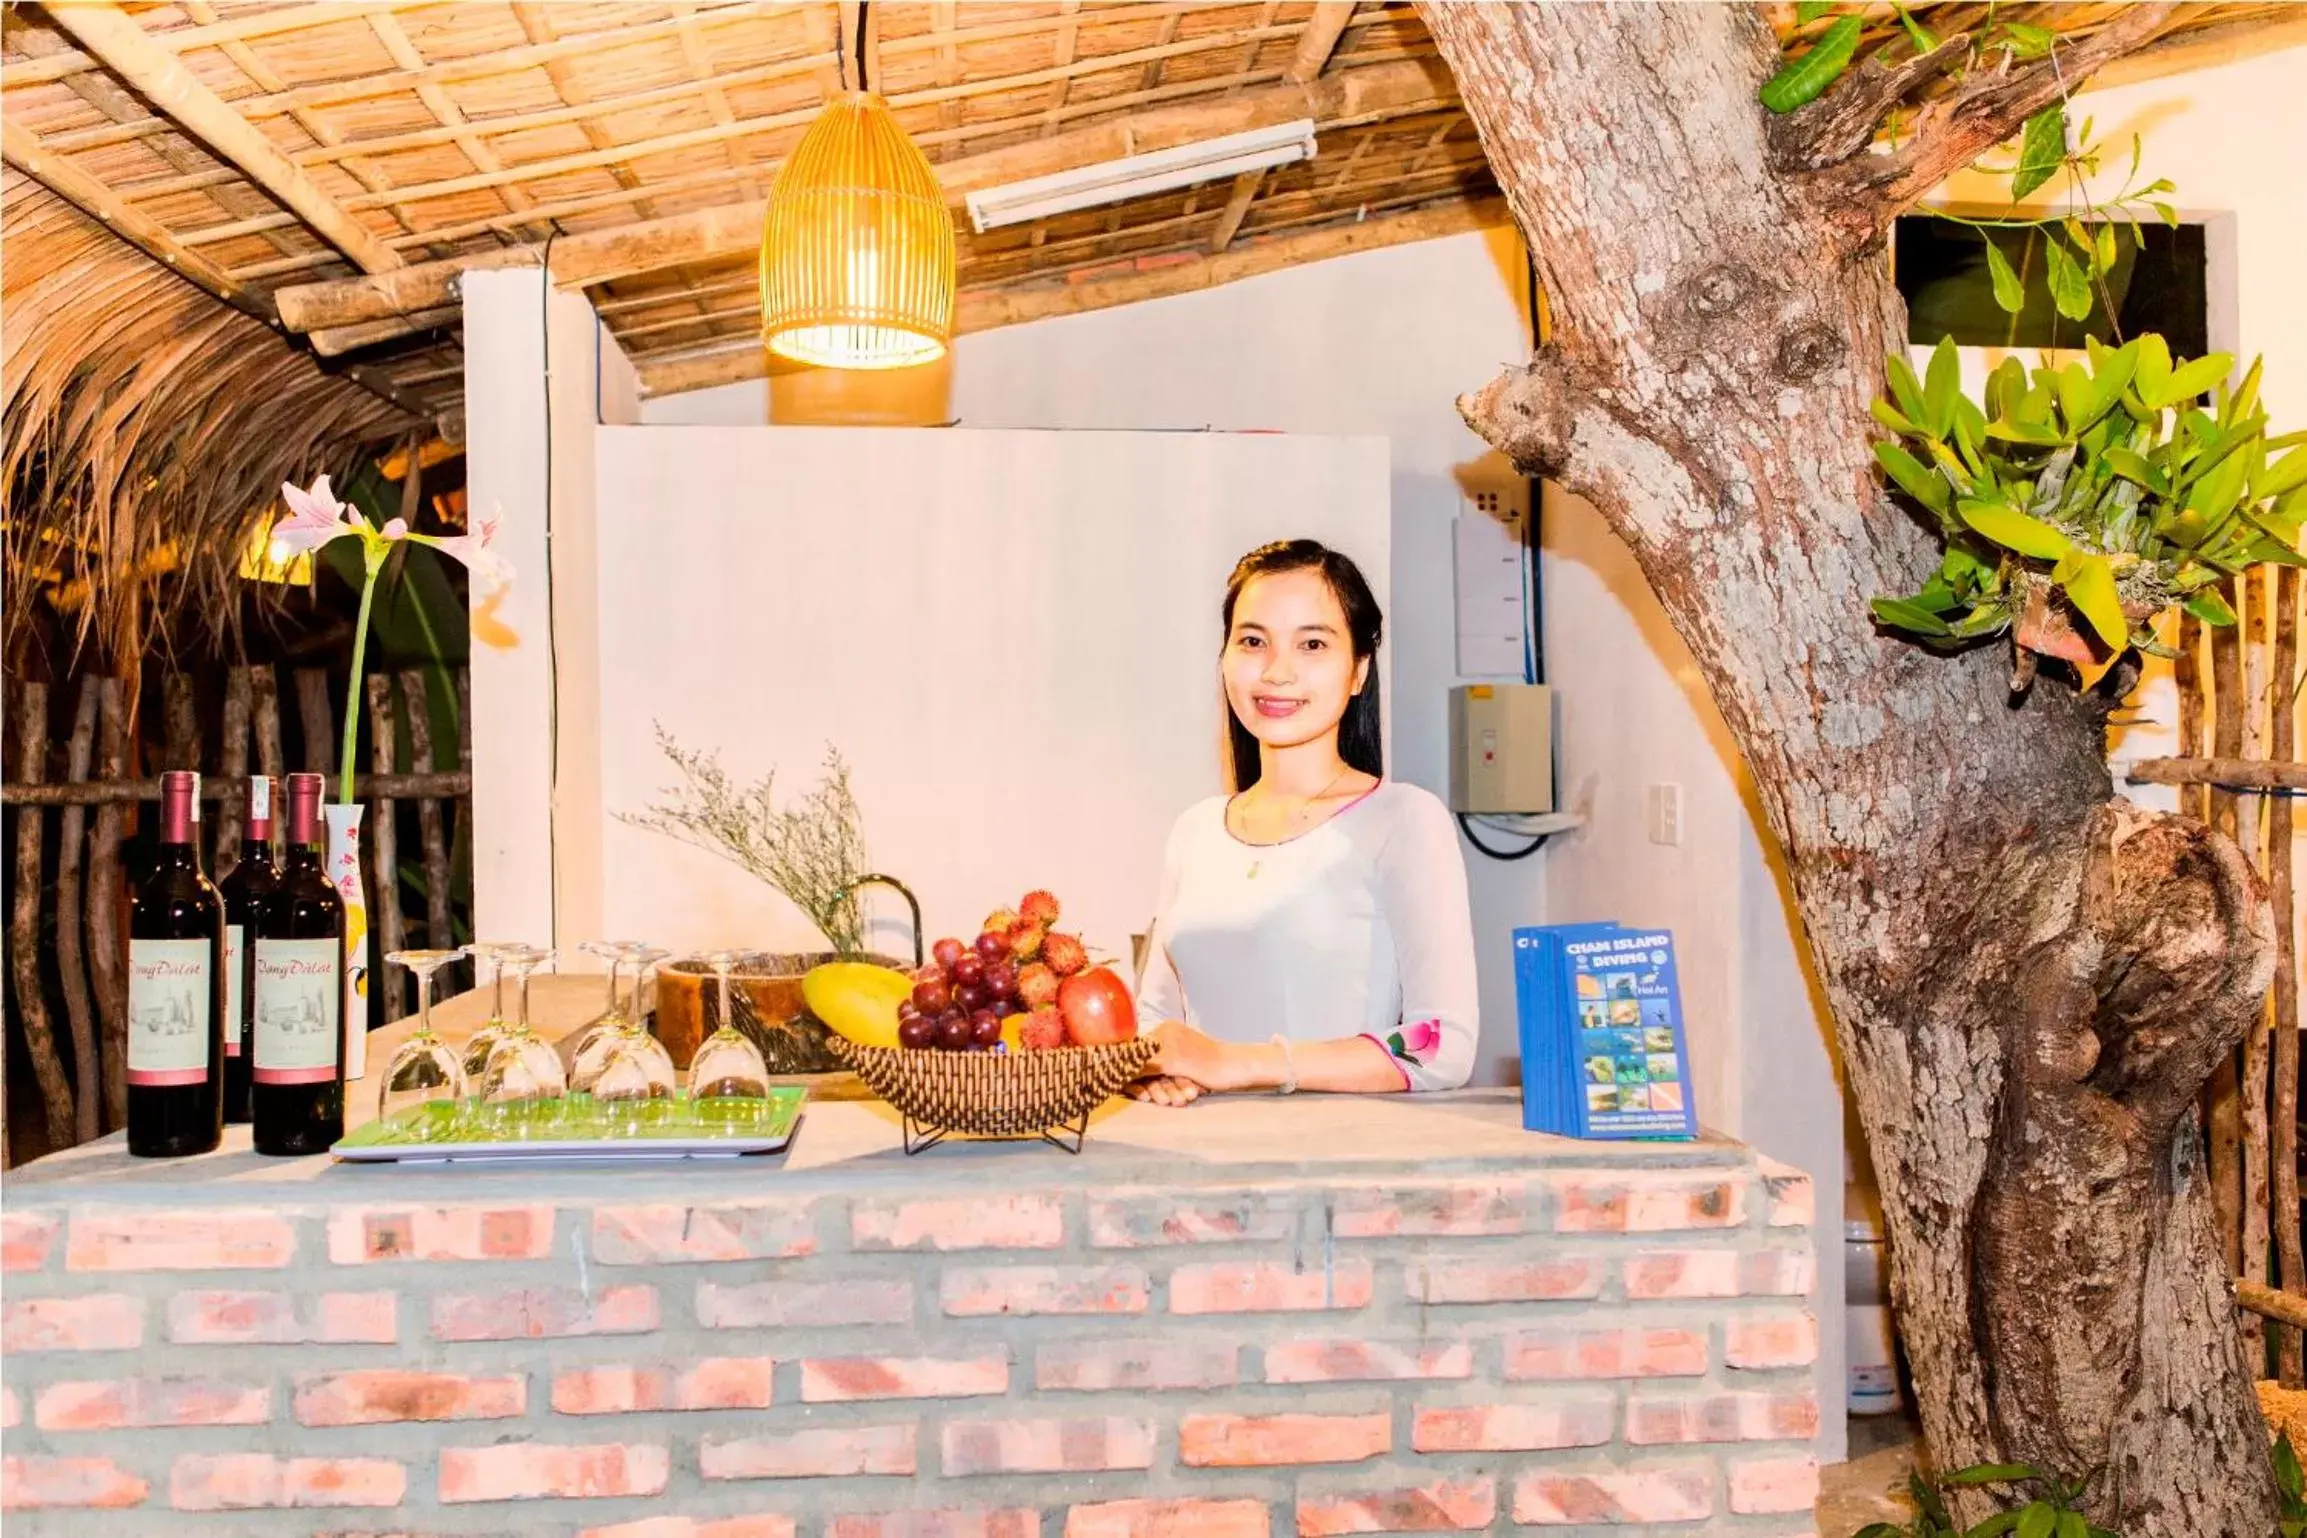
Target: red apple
(1097, 1009)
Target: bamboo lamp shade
(857, 254)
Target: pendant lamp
(857, 262)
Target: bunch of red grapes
(965, 993)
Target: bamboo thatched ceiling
(265, 148)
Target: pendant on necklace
(1254, 864)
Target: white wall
(1009, 635)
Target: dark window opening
(1941, 270)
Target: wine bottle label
(235, 937)
(296, 1026)
(168, 1005)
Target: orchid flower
(316, 517)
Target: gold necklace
(1299, 816)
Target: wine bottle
(176, 1004)
(296, 992)
(246, 882)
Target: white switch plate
(1663, 809)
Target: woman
(1312, 930)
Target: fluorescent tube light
(1137, 176)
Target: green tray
(582, 1128)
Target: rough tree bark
(2029, 979)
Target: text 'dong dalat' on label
(168, 1008)
(298, 1012)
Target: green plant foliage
(2291, 1510)
(2055, 1513)
(2076, 505)
(1799, 83)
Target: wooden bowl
(995, 1094)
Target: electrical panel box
(1502, 748)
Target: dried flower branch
(813, 853)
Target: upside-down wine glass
(590, 1052)
(728, 1077)
(490, 954)
(638, 1075)
(424, 1069)
(521, 1086)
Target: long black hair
(1360, 743)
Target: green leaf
(2190, 379)
(2042, 149)
(1916, 481)
(1986, 619)
(2154, 368)
(1809, 11)
(2166, 213)
(2278, 476)
(1907, 390)
(2014, 530)
(2072, 1525)
(2092, 590)
(2104, 248)
(1921, 36)
(2001, 1522)
(1890, 417)
(1879, 1530)
(1800, 82)
(2010, 295)
(1943, 382)
(2006, 386)
(2210, 608)
(2015, 431)
(2215, 495)
(2028, 42)
(2266, 552)
(2039, 1517)
(2070, 284)
(2136, 467)
(1992, 1474)
(2287, 1472)
(1905, 614)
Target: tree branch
(1863, 194)
(1842, 123)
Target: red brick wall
(1617, 1346)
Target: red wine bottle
(242, 886)
(176, 1006)
(296, 994)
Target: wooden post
(2184, 672)
(71, 960)
(2251, 1078)
(2224, 1095)
(384, 851)
(24, 947)
(432, 827)
(313, 714)
(2283, 1149)
(107, 955)
(264, 684)
(232, 812)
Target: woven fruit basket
(1046, 1095)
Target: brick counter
(1314, 1315)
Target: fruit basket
(1047, 1094)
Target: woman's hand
(1166, 1090)
(1200, 1059)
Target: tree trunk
(2030, 981)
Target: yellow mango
(1011, 1028)
(857, 999)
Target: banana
(857, 999)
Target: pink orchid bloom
(314, 518)
(1423, 1037)
(492, 569)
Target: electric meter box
(1502, 748)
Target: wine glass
(590, 1053)
(491, 954)
(728, 1072)
(521, 1086)
(638, 1072)
(424, 1069)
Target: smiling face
(1289, 665)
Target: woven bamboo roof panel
(318, 142)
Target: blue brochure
(1604, 1054)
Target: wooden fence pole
(2257, 643)
(71, 959)
(432, 828)
(384, 848)
(264, 687)
(312, 712)
(231, 815)
(106, 954)
(2224, 1095)
(2184, 669)
(2283, 1148)
(24, 947)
